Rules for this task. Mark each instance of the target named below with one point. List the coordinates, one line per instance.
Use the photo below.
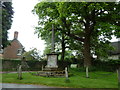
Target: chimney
(15, 35)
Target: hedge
(108, 65)
(11, 65)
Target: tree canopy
(85, 26)
(7, 15)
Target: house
(115, 54)
(14, 50)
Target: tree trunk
(63, 48)
(87, 54)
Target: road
(9, 85)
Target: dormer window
(19, 52)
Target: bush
(109, 65)
(11, 65)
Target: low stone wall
(11, 65)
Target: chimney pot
(15, 35)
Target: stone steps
(51, 73)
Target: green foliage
(81, 24)
(10, 65)
(99, 65)
(101, 49)
(119, 85)
(33, 54)
(49, 15)
(7, 15)
(34, 65)
(67, 80)
(47, 50)
(108, 65)
(13, 64)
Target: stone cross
(53, 41)
(52, 58)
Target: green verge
(77, 80)
(0, 78)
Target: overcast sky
(24, 22)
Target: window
(19, 52)
(1, 51)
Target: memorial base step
(51, 73)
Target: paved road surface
(9, 85)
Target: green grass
(77, 80)
(0, 78)
(119, 85)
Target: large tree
(47, 19)
(91, 25)
(7, 15)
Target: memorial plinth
(51, 69)
(52, 60)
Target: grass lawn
(78, 80)
(0, 78)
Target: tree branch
(75, 37)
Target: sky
(24, 22)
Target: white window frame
(19, 52)
(1, 51)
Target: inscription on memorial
(52, 61)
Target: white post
(66, 73)
(20, 72)
(87, 76)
